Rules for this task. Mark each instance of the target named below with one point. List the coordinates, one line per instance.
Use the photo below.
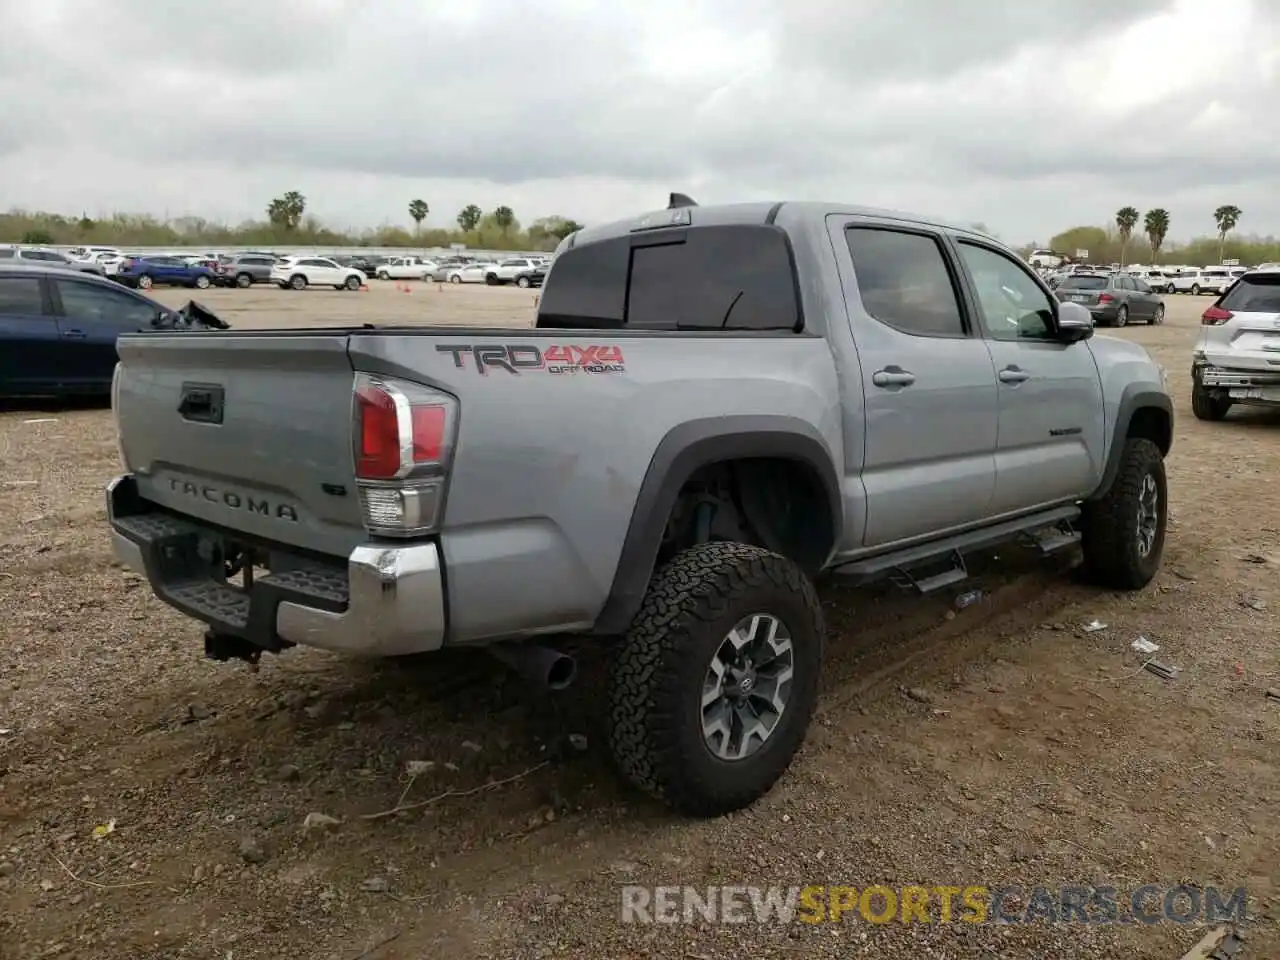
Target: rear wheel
(202, 283)
(383, 275)
(1158, 316)
(715, 683)
(244, 280)
(1207, 405)
(1195, 289)
(145, 282)
(1122, 316)
(1170, 289)
(1123, 532)
(298, 282)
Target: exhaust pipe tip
(540, 665)
(562, 671)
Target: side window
(91, 303)
(6, 254)
(20, 295)
(1013, 305)
(904, 282)
(1142, 286)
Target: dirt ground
(1001, 743)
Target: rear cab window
(718, 277)
(1259, 293)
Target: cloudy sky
(1027, 116)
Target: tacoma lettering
(234, 501)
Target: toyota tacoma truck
(714, 405)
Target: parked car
(58, 329)
(505, 271)
(406, 268)
(146, 271)
(1112, 299)
(48, 258)
(368, 265)
(470, 273)
(882, 430)
(299, 273)
(1214, 280)
(1237, 355)
(532, 277)
(245, 269)
(440, 273)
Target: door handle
(1013, 375)
(74, 334)
(893, 376)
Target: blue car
(58, 330)
(146, 272)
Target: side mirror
(1075, 323)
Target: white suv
(1213, 280)
(1237, 356)
(298, 273)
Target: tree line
(1126, 243)
(288, 223)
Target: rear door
(929, 400)
(30, 351)
(90, 316)
(1249, 338)
(1052, 429)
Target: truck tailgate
(250, 432)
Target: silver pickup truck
(716, 405)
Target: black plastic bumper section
(184, 564)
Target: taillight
(403, 443)
(1215, 317)
(1106, 298)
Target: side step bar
(1049, 531)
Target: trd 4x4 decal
(526, 358)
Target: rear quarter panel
(550, 458)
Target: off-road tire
(1109, 525)
(244, 281)
(1207, 406)
(655, 727)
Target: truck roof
(751, 212)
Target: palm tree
(1156, 225)
(418, 209)
(504, 216)
(1126, 220)
(469, 217)
(1227, 216)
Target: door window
(21, 296)
(904, 281)
(90, 303)
(1014, 307)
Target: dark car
(1114, 299)
(365, 264)
(58, 329)
(531, 278)
(145, 272)
(245, 269)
